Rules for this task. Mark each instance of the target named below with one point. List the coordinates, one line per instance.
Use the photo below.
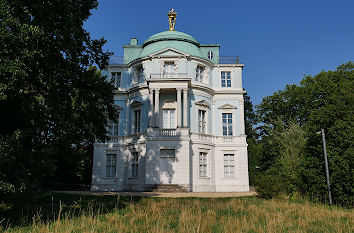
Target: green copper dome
(171, 39)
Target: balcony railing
(228, 60)
(168, 75)
(116, 60)
(168, 132)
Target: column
(157, 107)
(179, 107)
(151, 109)
(242, 117)
(185, 107)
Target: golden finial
(172, 15)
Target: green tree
(53, 105)
(323, 101)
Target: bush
(269, 186)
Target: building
(181, 118)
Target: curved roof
(171, 39)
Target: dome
(171, 35)
(171, 39)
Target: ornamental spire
(172, 15)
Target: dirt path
(157, 194)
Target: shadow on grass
(23, 210)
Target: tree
(323, 101)
(52, 103)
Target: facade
(181, 119)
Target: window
(140, 74)
(227, 124)
(170, 153)
(111, 165)
(113, 127)
(225, 79)
(168, 119)
(199, 74)
(135, 164)
(201, 121)
(137, 121)
(203, 164)
(210, 55)
(116, 76)
(229, 165)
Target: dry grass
(206, 215)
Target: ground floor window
(229, 165)
(111, 165)
(167, 153)
(203, 164)
(135, 164)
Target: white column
(157, 107)
(185, 107)
(242, 117)
(179, 107)
(151, 109)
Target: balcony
(228, 60)
(168, 75)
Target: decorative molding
(136, 103)
(227, 106)
(159, 54)
(117, 107)
(202, 103)
(169, 104)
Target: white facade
(181, 119)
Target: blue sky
(278, 41)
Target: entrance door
(167, 171)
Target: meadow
(49, 212)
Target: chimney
(133, 41)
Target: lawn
(49, 212)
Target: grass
(110, 214)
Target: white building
(181, 119)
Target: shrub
(269, 186)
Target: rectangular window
(199, 74)
(225, 79)
(203, 164)
(229, 165)
(111, 165)
(201, 121)
(135, 164)
(170, 153)
(137, 121)
(116, 76)
(113, 127)
(227, 124)
(168, 119)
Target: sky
(278, 41)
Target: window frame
(229, 165)
(226, 78)
(171, 155)
(113, 127)
(203, 164)
(136, 121)
(200, 109)
(134, 164)
(114, 75)
(228, 125)
(111, 165)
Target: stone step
(169, 188)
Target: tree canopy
(53, 103)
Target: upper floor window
(201, 121)
(135, 164)
(117, 76)
(203, 164)
(140, 74)
(210, 55)
(169, 68)
(111, 165)
(225, 79)
(199, 71)
(113, 127)
(168, 119)
(227, 124)
(137, 121)
(229, 165)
